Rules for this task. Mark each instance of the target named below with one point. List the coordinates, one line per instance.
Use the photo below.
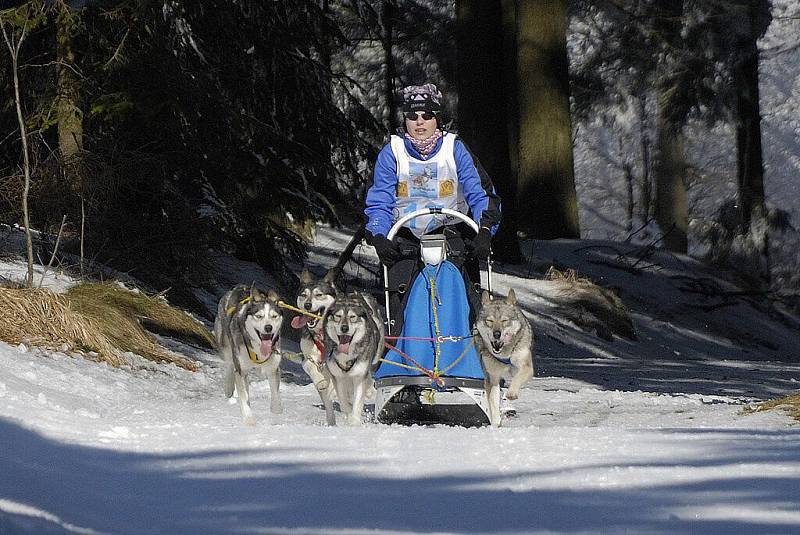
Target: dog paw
(512, 394)
(352, 421)
(276, 409)
(249, 420)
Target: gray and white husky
(505, 344)
(354, 330)
(247, 331)
(316, 296)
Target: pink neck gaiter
(425, 146)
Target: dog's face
(498, 321)
(315, 297)
(346, 322)
(262, 321)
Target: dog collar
(350, 363)
(507, 362)
(254, 356)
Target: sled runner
(431, 371)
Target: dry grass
(790, 404)
(40, 317)
(103, 318)
(591, 306)
(153, 311)
(569, 275)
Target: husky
(247, 331)
(315, 297)
(505, 344)
(354, 330)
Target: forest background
(150, 134)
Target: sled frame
(389, 387)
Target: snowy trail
(611, 437)
(89, 447)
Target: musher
(424, 166)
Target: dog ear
(512, 297)
(329, 277)
(363, 301)
(486, 298)
(272, 296)
(255, 293)
(305, 276)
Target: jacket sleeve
(380, 201)
(484, 204)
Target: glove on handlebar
(481, 244)
(388, 251)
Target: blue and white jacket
(482, 203)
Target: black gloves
(391, 252)
(388, 251)
(481, 244)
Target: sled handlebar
(430, 211)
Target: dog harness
(507, 362)
(320, 346)
(350, 363)
(254, 356)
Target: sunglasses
(427, 115)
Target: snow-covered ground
(639, 437)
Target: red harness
(320, 346)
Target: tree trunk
(627, 169)
(749, 158)
(13, 49)
(479, 35)
(390, 71)
(510, 81)
(646, 201)
(546, 182)
(669, 170)
(750, 169)
(70, 121)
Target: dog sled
(431, 371)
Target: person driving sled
(425, 166)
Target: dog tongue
(344, 343)
(266, 347)
(298, 322)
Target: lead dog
(505, 344)
(315, 297)
(247, 331)
(354, 330)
